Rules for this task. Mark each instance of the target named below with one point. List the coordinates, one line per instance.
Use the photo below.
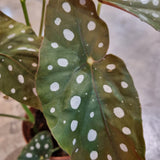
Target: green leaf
(39, 148)
(19, 48)
(88, 98)
(147, 10)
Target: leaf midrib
(106, 125)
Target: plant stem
(55, 149)
(99, 8)
(42, 18)
(12, 116)
(29, 113)
(24, 8)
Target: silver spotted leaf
(88, 97)
(147, 10)
(19, 48)
(39, 148)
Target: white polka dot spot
(92, 135)
(23, 31)
(34, 91)
(20, 78)
(10, 46)
(29, 155)
(0, 75)
(124, 84)
(155, 15)
(91, 26)
(118, 112)
(75, 102)
(42, 137)
(100, 45)
(155, 2)
(74, 141)
(109, 157)
(76, 150)
(64, 122)
(46, 146)
(54, 45)
(82, 2)
(52, 110)
(144, 1)
(142, 17)
(28, 49)
(13, 90)
(80, 79)
(66, 7)
(54, 86)
(11, 36)
(123, 147)
(74, 125)
(92, 13)
(34, 64)
(24, 98)
(126, 130)
(57, 21)
(38, 146)
(30, 39)
(107, 88)
(11, 26)
(63, 62)
(68, 34)
(111, 67)
(50, 67)
(91, 115)
(10, 68)
(31, 148)
(94, 155)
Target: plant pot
(28, 133)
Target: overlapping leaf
(19, 47)
(147, 10)
(88, 98)
(39, 148)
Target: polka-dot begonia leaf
(147, 10)
(19, 47)
(88, 97)
(39, 148)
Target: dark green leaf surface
(39, 148)
(19, 47)
(147, 10)
(88, 98)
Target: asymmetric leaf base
(88, 97)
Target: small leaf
(88, 98)
(19, 47)
(147, 10)
(39, 148)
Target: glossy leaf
(147, 10)
(19, 47)
(39, 148)
(88, 98)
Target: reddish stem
(113, 5)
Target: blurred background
(135, 42)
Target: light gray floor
(135, 42)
